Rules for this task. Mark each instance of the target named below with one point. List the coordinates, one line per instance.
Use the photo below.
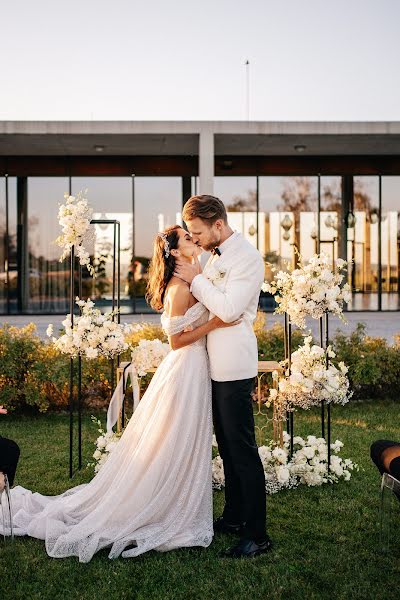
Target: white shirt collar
(228, 242)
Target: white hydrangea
(313, 379)
(307, 466)
(93, 333)
(310, 290)
(149, 354)
(74, 218)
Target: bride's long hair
(161, 267)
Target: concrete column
(206, 162)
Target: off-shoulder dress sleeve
(174, 325)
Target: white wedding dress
(155, 490)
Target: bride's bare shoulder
(177, 297)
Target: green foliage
(35, 376)
(270, 340)
(374, 366)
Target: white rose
(282, 474)
(280, 455)
(309, 451)
(273, 393)
(101, 442)
(298, 440)
(296, 378)
(92, 352)
(318, 296)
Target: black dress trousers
(9, 455)
(245, 497)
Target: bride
(154, 492)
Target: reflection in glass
(3, 247)
(110, 198)
(331, 217)
(390, 225)
(239, 194)
(46, 280)
(8, 280)
(158, 204)
(362, 244)
(289, 208)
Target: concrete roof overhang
(181, 138)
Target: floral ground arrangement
(326, 538)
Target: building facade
(333, 187)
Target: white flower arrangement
(308, 465)
(312, 289)
(74, 218)
(313, 379)
(105, 444)
(93, 334)
(148, 354)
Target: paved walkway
(384, 324)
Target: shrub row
(35, 377)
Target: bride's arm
(179, 299)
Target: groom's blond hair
(205, 207)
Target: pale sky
(184, 60)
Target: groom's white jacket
(229, 287)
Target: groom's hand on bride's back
(187, 271)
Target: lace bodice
(195, 316)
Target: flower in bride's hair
(164, 237)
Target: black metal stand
(324, 342)
(116, 300)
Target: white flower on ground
(280, 454)
(282, 473)
(308, 451)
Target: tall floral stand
(324, 343)
(116, 295)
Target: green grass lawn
(326, 539)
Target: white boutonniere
(215, 274)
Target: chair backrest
(390, 482)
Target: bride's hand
(219, 323)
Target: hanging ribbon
(117, 399)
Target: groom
(230, 287)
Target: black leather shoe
(221, 526)
(248, 549)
